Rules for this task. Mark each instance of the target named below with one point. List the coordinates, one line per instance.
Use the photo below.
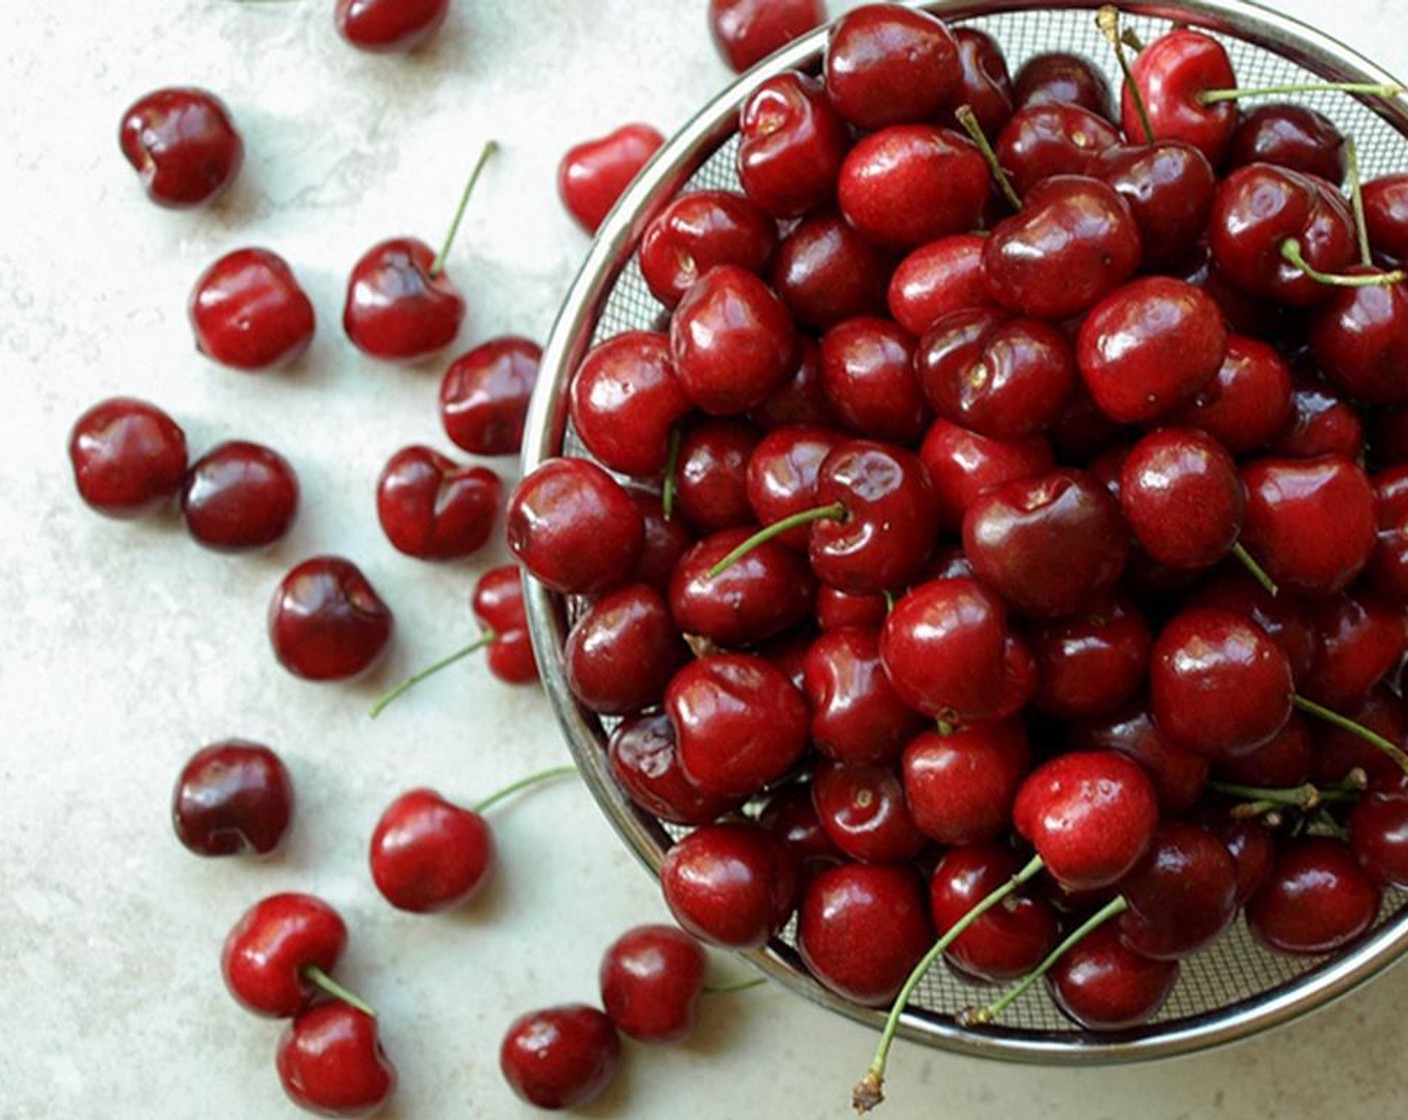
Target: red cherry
(1252, 848)
(621, 653)
(867, 374)
(747, 31)
(666, 540)
(560, 1057)
(389, 25)
(1362, 638)
(1360, 341)
(1182, 894)
(790, 147)
(128, 457)
(428, 854)
(825, 271)
(430, 507)
(249, 312)
(1003, 943)
(864, 813)
(790, 815)
(497, 601)
(326, 621)
(484, 395)
(1103, 985)
(711, 471)
(943, 276)
(839, 610)
(232, 798)
(1378, 836)
(856, 716)
(764, 593)
(239, 496)
(1090, 664)
(1286, 618)
(1171, 73)
(1316, 900)
(1169, 186)
(960, 786)
(983, 84)
(1386, 216)
(1057, 76)
(1247, 401)
(1178, 775)
(331, 1062)
(732, 885)
(594, 174)
(1182, 497)
(269, 952)
(1050, 138)
(1321, 422)
(886, 64)
(782, 474)
(183, 144)
(697, 231)
(645, 762)
(651, 978)
(1290, 135)
(963, 466)
(1388, 564)
(400, 307)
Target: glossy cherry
(428, 854)
(867, 376)
(1362, 637)
(1103, 985)
(651, 978)
(790, 815)
(781, 475)
(1283, 762)
(1338, 751)
(747, 31)
(560, 1057)
(400, 306)
(984, 84)
(698, 230)
(1059, 77)
(1007, 941)
(326, 621)
(269, 952)
(331, 1062)
(1321, 422)
(1182, 894)
(1051, 138)
(1091, 663)
(864, 812)
(1316, 900)
(666, 539)
(762, 594)
(790, 147)
(1378, 836)
(856, 716)
(825, 271)
(960, 786)
(1169, 187)
(731, 885)
(1171, 73)
(1182, 497)
(625, 400)
(497, 602)
(239, 496)
(1359, 338)
(183, 144)
(1289, 135)
(232, 798)
(963, 466)
(128, 457)
(434, 509)
(1179, 776)
(484, 395)
(592, 175)
(1386, 216)
(645, 763)
(1248, 400)
(249, 312)
(1388, 563)
(838, 610)
(389, 25)
(942, 276)
(621, 653)
(886, 64)
(711, 471)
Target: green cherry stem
(1307, 797)
(868, 1090)
(414, 679)
(987, 1014)
(1373, 89)
(1344, 723)
(1108, 20)
(1257, 571)
(969, 121)
(438, 264)
(522, 784)
(668, 487)
(735, 986)
(833, 512)
(1291, 251)
(1356, 200)
(336, 990)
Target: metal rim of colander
(615, 244)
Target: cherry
(1178, 775)
(747, 31)
(983, 84)
(128, 457)
(942, 276)
(1003, 377)
(239, 496)
(277, 956)
(1074, 241)
(1359, 338)
(861, 928)
(645, 762)
(1388, 563)
(497, 601)
(666, 540)
(1362, 637)
(484, 395)
(886, 65)
(764, 593)
(790, 147)
(1378, 836)
(232, 798)
(1049, 545)
(1061, 77)
(331, 1062)
(625, 400)
(183, 144)
(560, 1057)
(781, 476)
(1339, 750)
(1321, 422)
(249, 312)
(651, 978)
(1316, 900)
(732, 340)
(1182, 497)
(1283, 761)
(1252, 848)
(621, 653)
(1171, 74)
(739, 723)
(960, 786)
(1182, 894)
(825, 271)
(1289, 135)
(1103, 985)
(573, 527)
(1386, 216)
(711, 472)
(863, 811)
(1051, 138)
(389, 25)
(697, 231)
(867, 375)
(1006, 941)
(428, 854)
(790, 815)
(800, 400)
(732, 885)
(856, 717)
(1309, 522)
(1169, 187)
(432, 508)
(963, 466)
(595, 173)
(1090, 664)
(326, 621)
(839, 610)
(1248, 400)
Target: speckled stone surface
(127, 647)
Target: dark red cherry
(1362, 637)
(331, 1062)
(484, 395)
(1282, 762)
(183, 144)
(1005, 942)
(1049, 545)
(1057, 76)
(747, 31)
(497, 602)
(389, 25)
(248, 311)
(825, 271)
(1103, 985)
(1252, 847)
(645, 762)
(864, 813)
(711, 472)
(867, 375)
(1182, 497)
(1172, 73)
(731, 885)
(232, 798)
(1051, 138)
(1338, 751)
(1178, 775)
(326, 621)
(432, 508)
(128, 457)
(800, 400)
(574, 527)
(856, 717)
(1090, 664)
(1073, 241)
(399, 307)
(960, 786)
(592, 175)
(782, 473)
(764, 593)
(268, 953)
(938, 278)
(622, 651)
(1090, 815)
(697, 231)
(963, 466)
(838, 610)
(625, 400)
(861, 929)
(1289, 135)
(1359, 338)
(239, 496)
(1310, 523)
(790, 815)
(983, 84)
(1316, 900)
(1219, 685)
(1378, 836)
(886, 64)
(1182, 894)
(791, 143)
(1248, 400)
(1169, 186)
(1321, 422)
(1388, 563)
(651, 978)
(1386, 216)
(428, 854)
(1286, 618)
(560, 1057)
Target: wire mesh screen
(1235, 971)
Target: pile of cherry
(1012, 555)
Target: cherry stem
(1264, 798)
(1108, 20)
(522, 784)
(1115, 906)
(438, 264)
(484, 639)
(1212, 96)
(1257, 571)
(1291, 251)
(1356, 200)
(833, 512)
(1346, 724)
(1326, 825)
(317, 976)
(867, 1092)
(667, 489)
(970, 124)
(729, 989)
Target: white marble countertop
(130, 647)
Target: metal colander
(1233, 989)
